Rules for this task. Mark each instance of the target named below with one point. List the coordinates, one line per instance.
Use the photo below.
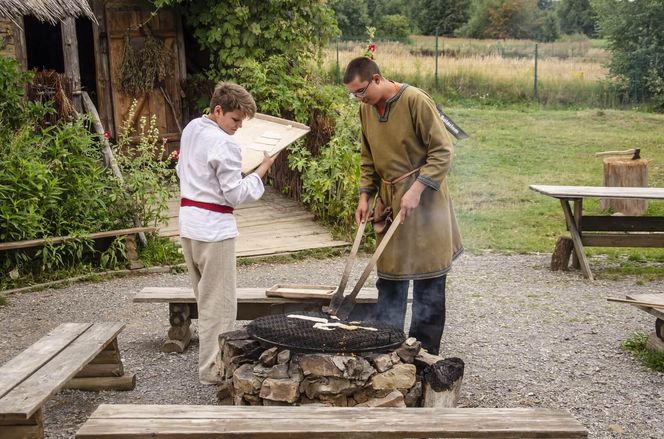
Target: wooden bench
(251, 303)
(306, 422)
(128, 234)
(602, 231)
(81, 356)
(655, 339)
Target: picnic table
(606, 230)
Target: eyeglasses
(361, 92)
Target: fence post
(337, 72)
(535, 81)
(436, 74)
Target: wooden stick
(338, 297)
(349, 301)
(635, 302)
(108, 153)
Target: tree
(447, 15)
(550, 30)
(352, 17)
(636, 41)
(503, 19)
(576, 16)
(393, 27)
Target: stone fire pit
(405, 377)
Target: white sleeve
(226, 160)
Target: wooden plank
(301, 291)
(645, 193)
(622, 224)
(578, 245)
(58, 240)
(649, 298)
(623, 240)
(26, 398)
(20, 47)
(16, 370)
(325, 422)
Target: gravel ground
(529, 338)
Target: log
(101, 370)
(562, 253)
(659, 328)
(622, 172)
(442, 383)
(124, 382)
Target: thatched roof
(52, 11)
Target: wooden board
(645, 193)
(266, 133)
(301, 291)
(143, 421)
(26, 398)
(244, 296)
(649, 298)
(16, 370)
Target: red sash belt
(207, 206)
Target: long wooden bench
(306, 422)
(128, 234)
(81, 356)
(251, 303)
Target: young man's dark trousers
(428, 319)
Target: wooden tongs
(340, 305)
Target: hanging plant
(140, 70)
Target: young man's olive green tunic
(408, 135)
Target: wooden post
(625, 172)
(442, 383)
(104, 372)
(100, 36)
(14, 427)
(70, 53)
(20, 48)
(179, 334)
(576, 238)
(578, 214)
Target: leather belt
(207, 206)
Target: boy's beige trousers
(212, 271)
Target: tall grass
(476, 70)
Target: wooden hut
(87, 40)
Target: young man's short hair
(363, 67)
(231, 97)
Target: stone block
(409, 350)
(280, 372)
(392, 399)
(413, 395)
(287, 390)
(314, 387)
(320, 365)
(244, 380)
(356, 368)
(269, 357)
(401, 376)
(284, 356)
(382, 362)
(339, 400)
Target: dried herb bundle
(141, 70)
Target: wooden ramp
(272, 225)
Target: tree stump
(562, 253)
(622, 172)
(442, 383)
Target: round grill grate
(300, 335)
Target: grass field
(510, 149)
(495, 72)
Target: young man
(406, 154)
(211, 185)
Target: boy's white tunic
(209, 171)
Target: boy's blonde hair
(231, 97)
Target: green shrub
(148, 179)
(652, 359)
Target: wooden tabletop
(644, 193)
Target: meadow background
(487, 87)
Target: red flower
(107, 134)
(372, 47)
